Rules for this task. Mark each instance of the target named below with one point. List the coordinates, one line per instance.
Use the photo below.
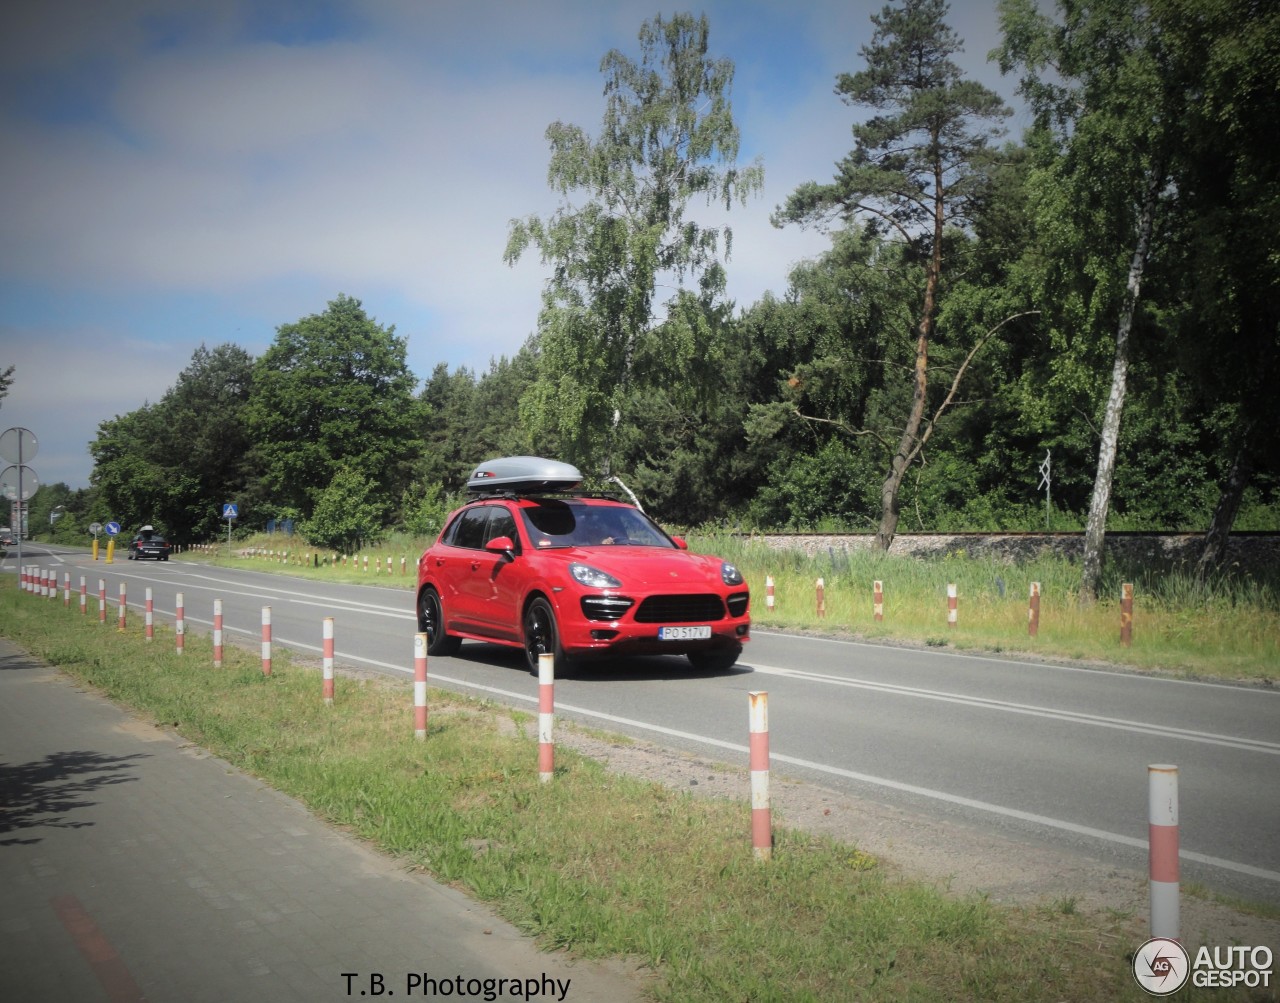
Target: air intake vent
(680, 609)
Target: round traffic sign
(18, 482)
(18, 445)
(113, 528)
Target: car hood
(650, 566)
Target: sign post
(229, 511)
(19, 482)
(1046, 479)
(112, 529)
(95, 528)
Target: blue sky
(177, 173)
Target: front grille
(680, 609)
(738, 603)
(605, 607)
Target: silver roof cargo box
(524, 474)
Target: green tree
(130, 473)
(1109, 103)
(174, 462)
(332, 392)
(667, 137)
(347, 513)
(6, 381)
(1220, 270)
(916, 171)
(205, 442)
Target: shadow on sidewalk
(45, 792)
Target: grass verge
(1226, 629)
(598, 863)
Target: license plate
(684, 633)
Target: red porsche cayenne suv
(531, 563)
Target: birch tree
(667, 137)
(1104, 102)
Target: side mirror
(501, 545)
(679, 542)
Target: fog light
(603, 635)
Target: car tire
(714, 661)
(431, 623)
(542, 636)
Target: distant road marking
(1077, 717)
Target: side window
(502, 523)
(470, 531)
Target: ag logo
(1161, 966)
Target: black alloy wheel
(431, 623)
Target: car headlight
(585, 574)
(730, 575)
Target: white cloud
(190, 160)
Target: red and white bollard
(404, 565)
(44, 583)
(388, 567)
(123, 606)
(217, 633)
(328, 660)
(1162, 839)
(1126, 614)
(952, 603)
(66, 589)
(546, 716)
(761, 820)
(266, 640)
(768, 593)
(150, 619)
(1033, 611)
(419, 686)
(102, 600)
(877, 601)
(84, 597)
(822, 599)
(179, 625)
(366, 564)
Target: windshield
(574, 524)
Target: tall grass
(601, 864)
(1229, 628)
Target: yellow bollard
(111, 550)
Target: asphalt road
(1050, 753)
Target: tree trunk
(909, 443)
(1095, 528)
(1224, 515)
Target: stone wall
(1253, 553)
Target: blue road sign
(230, 511)
(112, 528)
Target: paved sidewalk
(134, 866)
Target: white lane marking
(925, 792)
(281, 595)
(1077, 717)
(1137, 677)
(866, 778)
